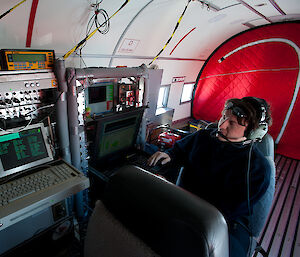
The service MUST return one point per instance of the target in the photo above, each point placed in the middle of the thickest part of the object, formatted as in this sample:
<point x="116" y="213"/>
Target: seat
<point x="141" y="215"/>
<point x="262" y="207"/>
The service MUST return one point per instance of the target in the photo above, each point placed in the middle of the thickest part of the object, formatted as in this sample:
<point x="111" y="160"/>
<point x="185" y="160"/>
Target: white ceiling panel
<point x="61" y="24"/>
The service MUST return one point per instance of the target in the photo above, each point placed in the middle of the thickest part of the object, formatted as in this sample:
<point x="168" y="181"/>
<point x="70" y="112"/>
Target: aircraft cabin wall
<point x="137" y="32"/>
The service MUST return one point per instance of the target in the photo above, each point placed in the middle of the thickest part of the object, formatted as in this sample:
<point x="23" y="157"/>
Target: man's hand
<point x="153" y="160"/>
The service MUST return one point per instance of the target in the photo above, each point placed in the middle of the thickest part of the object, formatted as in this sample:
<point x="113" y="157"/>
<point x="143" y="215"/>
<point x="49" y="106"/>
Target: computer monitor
<point x="116" y="135"/>
<point x="21" y="149"/>
<point x="99" y="97"/>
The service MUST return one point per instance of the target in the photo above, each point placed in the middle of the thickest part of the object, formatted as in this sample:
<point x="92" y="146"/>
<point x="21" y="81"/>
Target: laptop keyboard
<point x="141" y="160"/>
<point x="41" y="180"/>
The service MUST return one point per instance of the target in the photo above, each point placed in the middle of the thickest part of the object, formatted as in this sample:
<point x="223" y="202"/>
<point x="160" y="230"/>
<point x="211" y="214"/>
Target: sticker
<point x="178" y="79"/>
<point x="129" y="45"/>
<point x="53" y="83"/>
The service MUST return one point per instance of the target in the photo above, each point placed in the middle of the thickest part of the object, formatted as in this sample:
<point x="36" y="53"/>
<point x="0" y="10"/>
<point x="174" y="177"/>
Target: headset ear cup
<point x="259" y="133"/>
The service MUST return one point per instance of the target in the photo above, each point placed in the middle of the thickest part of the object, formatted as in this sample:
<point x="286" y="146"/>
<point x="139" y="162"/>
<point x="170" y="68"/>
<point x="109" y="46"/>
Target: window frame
<point x="191" y="97"/>
<point x="165" y="97"/>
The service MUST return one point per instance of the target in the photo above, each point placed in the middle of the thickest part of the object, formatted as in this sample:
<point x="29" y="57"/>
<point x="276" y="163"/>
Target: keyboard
<point x="24" y="196"/>
<point x="141" y="160"/>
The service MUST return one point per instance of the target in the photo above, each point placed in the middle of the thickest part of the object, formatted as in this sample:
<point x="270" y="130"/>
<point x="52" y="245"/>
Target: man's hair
<point x="256" y="110"/>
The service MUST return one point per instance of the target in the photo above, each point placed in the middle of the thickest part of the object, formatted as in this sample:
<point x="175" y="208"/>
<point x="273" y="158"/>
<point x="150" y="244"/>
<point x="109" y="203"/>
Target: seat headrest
<point x="266" y="146"/>
<point x="160" y="212"/>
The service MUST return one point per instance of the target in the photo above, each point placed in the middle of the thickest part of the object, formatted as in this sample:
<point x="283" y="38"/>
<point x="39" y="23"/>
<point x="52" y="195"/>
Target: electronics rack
<point x="22" y="93"/>
<point x="24" y="97"/>
<point x="128" y="93"/>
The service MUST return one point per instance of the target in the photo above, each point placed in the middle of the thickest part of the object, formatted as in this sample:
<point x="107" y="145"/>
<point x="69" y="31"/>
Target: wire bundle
<point x="89" y="35"/>
<point x="102" y="28"/>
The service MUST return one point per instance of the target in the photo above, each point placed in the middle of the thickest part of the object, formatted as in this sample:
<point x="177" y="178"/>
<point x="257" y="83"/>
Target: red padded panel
<point x="267" y="70"/>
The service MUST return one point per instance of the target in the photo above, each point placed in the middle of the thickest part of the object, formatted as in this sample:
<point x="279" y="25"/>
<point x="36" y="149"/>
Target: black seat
<point x="144" y="215"/>
<point x="262" y="208"/>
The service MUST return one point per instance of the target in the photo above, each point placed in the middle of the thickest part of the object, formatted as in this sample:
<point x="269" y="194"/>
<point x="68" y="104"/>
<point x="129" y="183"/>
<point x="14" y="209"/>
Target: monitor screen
<point x="23" y="149"/>
<point x="99" y="97"/>
<point x="97" y="94"/>
<point x="116" y="133"/>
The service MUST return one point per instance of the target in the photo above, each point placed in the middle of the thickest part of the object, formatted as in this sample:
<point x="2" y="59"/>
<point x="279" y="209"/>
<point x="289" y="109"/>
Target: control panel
<point x="26" y="80"/>
<point x="27" y="59"/>
<point x="23" y="95"/>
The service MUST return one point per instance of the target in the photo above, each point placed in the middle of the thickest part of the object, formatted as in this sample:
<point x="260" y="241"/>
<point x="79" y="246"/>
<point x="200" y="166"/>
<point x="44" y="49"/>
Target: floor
<point x="281" y="235"/>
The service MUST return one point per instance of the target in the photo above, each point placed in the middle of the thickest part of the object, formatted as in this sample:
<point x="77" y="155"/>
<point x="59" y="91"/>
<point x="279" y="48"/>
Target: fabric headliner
<point x="266" y="70"/>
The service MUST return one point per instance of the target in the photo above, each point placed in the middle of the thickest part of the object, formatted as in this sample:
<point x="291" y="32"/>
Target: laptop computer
<point x="30" y="179"/>
<point x="23" y="148"/>
<point x="115" y="142"/>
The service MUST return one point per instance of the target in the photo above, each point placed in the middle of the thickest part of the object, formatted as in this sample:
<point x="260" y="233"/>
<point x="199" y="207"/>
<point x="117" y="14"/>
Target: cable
<point x="8" y="110"/>
<point x="40" y="108"/>
<point x="94" y="21"/>
<point x="248" y="195"/>
<point x="93" y="32"/>
<point x="52" y="109"/>
<point x="31" y="119"/>
<point x="16" y="131"/>
<point x="81" y="58"/>
<point x="106" y="22"/>
<point x="176" y="27"/>
<point x="11" y="9"/>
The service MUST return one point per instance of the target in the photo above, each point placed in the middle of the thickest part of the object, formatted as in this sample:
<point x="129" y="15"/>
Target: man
<point x="218" y="161"/>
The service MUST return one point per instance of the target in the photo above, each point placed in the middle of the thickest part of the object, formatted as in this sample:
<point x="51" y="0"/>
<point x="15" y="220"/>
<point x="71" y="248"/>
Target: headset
<point x="260" y="107"/>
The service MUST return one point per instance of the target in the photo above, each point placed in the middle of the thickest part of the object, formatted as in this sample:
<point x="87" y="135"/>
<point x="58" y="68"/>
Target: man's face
<point x="228" y="125"/>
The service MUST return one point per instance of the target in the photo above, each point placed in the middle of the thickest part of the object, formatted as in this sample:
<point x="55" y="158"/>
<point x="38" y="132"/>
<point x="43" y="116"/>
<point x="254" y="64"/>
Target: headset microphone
<point x="261" y="108"/>
<point x="219" y="133"/>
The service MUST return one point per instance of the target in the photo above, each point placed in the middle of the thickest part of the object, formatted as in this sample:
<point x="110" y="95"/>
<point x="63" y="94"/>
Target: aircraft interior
<point x="92" y="90"/>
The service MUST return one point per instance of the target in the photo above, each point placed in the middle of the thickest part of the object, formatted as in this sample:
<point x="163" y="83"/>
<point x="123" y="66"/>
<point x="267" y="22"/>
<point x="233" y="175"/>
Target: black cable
<point x="215" y="133"/>
<point x="248" y="197"/>
<point x="106" y="23"/>
<point x="240" y="145"/>
<point x="94" y="20"/>
<point x="65" y="56"/>
<point x="54" y="108"/>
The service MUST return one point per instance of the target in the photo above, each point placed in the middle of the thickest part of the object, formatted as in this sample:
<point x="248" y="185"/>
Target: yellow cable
<point x="176" y="27"/>
<point x="18" y="5"/>
<point x="11" y="9"/>
<point x="92" y="33"/>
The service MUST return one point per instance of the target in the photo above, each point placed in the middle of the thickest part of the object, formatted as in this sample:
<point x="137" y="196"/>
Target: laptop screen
<point x="21" y="149"/>
<point x="116" y="134"/>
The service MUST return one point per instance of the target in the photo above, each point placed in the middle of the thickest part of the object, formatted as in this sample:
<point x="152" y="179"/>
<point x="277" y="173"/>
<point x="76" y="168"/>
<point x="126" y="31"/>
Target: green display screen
<point x="29" y="57"/>
<point x="9" y="137"/>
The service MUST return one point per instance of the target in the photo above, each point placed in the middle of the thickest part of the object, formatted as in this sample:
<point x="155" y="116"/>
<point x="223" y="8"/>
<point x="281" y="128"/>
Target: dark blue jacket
<point x="217" y="171"/>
